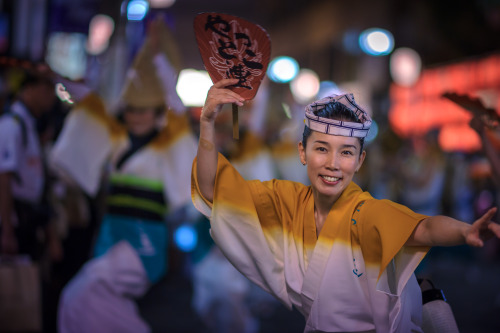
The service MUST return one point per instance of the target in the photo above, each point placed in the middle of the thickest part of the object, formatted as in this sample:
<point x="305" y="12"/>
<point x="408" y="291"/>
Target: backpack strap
<point x="24" y="136"/>
<point x="22" y="124"/>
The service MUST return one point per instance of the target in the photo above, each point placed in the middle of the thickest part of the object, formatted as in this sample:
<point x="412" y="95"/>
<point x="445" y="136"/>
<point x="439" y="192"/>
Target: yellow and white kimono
<point x="357" y="276"/>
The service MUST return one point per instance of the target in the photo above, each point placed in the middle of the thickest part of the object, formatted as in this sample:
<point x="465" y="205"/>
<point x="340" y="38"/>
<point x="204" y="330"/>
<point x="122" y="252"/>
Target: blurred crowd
<point x="98" y="195"/>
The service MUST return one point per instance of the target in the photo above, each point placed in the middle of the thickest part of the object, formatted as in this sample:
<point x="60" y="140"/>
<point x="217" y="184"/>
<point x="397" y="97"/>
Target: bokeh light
<point x="283" y="69"/>
<point x="137" y="10"/>
<point x="372" y="133"/>
<point x="101" y="28"/>
<point x="405" y="66"/>
<point x="186" y="238"/>
<point x="161" y="3"/>
<point x="327" y="88"/>
<point x="350" y="41"/>
<point x="305" y="86"/>
<point x="192" y="86"/>
<point x="376" y="42"/>
<point x="66" y="54"/>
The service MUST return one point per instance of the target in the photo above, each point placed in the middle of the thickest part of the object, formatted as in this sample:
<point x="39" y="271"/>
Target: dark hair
<point x="33" y="79"/>
<point x="337" y="111"/>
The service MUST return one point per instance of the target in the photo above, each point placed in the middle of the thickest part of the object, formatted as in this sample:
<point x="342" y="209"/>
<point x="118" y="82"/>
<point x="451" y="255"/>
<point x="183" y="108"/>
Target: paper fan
<point x="232" y="47"/>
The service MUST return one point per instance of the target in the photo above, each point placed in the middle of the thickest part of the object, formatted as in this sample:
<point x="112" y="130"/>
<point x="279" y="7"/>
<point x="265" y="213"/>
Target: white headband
<point x="338" y="127"/>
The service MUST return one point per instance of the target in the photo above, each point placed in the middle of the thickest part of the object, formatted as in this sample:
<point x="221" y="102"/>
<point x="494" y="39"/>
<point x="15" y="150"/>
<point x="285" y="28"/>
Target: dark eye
<point x="322" y="149"/>
<point x="347" y="152"/>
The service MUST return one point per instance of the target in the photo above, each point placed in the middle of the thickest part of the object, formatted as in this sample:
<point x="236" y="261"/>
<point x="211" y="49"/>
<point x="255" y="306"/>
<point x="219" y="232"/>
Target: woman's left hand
<point x="483" y="229"/>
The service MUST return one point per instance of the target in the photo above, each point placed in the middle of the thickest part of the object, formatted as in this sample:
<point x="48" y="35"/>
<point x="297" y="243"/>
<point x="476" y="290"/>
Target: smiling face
<point x="331" y="162"/>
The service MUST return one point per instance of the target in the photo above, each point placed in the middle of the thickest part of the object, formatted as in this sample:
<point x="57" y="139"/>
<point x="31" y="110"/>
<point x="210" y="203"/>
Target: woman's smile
<point x="330" y="180"/>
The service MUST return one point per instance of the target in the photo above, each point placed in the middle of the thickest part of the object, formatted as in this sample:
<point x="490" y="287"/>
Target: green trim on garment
<point x="128" y="201"/>
<point x="152" y="185"/>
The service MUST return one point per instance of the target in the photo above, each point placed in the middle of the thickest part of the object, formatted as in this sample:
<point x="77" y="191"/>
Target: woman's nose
<point x="331" y="162"/>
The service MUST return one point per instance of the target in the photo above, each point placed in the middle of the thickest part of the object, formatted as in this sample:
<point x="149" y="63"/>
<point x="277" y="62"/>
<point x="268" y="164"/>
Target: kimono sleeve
<point x="85" y="143"/>
<point x="246" y="226"/>
<point x="180" y="151"/>
<point x="386" y="226"/>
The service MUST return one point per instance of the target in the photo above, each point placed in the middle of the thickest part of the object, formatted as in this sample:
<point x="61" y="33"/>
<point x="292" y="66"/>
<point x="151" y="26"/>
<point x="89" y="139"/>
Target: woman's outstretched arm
<point x="217" y="96"/>
<point x="446" y="231"/>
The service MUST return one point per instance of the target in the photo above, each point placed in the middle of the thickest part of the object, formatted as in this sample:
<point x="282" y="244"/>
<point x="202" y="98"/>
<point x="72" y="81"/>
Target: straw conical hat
<point x="142" y="87"/>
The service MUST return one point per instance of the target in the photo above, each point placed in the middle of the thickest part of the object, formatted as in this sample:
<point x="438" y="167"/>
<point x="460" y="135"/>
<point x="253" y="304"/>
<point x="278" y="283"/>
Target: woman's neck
<point x="322" y="206"/>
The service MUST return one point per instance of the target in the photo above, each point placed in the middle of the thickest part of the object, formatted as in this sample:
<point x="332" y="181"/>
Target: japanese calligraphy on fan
<point x="235" y="56"/>
<point x="233" y="48"/>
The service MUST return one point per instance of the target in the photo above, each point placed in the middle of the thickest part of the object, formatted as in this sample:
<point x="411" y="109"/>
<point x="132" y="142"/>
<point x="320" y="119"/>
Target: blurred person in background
<point x="423" y="175"/>
<point x="23" y="204"/>
<point x="486" y="122"/>
<point x="26" y="215"/>
<point x="144" y="156"/>
<point x="284" y="144"/>
<point x="345" y="260"/>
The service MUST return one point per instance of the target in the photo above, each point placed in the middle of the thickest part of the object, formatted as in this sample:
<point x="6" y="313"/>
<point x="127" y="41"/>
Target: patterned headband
<point x="338" y="127"/>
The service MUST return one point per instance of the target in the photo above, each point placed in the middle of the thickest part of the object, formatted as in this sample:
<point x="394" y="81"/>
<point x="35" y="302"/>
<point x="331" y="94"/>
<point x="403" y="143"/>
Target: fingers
<point x="222" y="95"/>
<point x="479" y="229"/>
<point x="218" y="95"/>
<point x="486" y="217"/>
<point x="225" y="83"/>
<point x="495" y="229"/>
<point x="489" y="214"/>
<point x="476" y="243"/>
<point x="485" y="228"/>
<point x="493" y="226"/>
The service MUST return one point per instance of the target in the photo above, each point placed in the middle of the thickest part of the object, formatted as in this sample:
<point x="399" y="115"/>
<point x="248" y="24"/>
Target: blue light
<point x="186" y="238"/>
<point x="283" y="69"/>
<point x="350" y="42"/>
<point x="372" y="133"/>
<point x="376" y="42"/>
<point x="327" y="88"/>
<point x="137" y="9"/>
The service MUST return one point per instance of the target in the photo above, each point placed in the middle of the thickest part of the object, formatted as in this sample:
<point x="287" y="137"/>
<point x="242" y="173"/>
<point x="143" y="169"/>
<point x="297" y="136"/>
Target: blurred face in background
<point x="40" y="97"/>
<point x="140" y="120"/>
<point x="47" y="96"/>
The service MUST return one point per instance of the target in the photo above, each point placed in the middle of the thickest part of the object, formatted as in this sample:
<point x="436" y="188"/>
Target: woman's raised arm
<point x="217" y="96"/>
